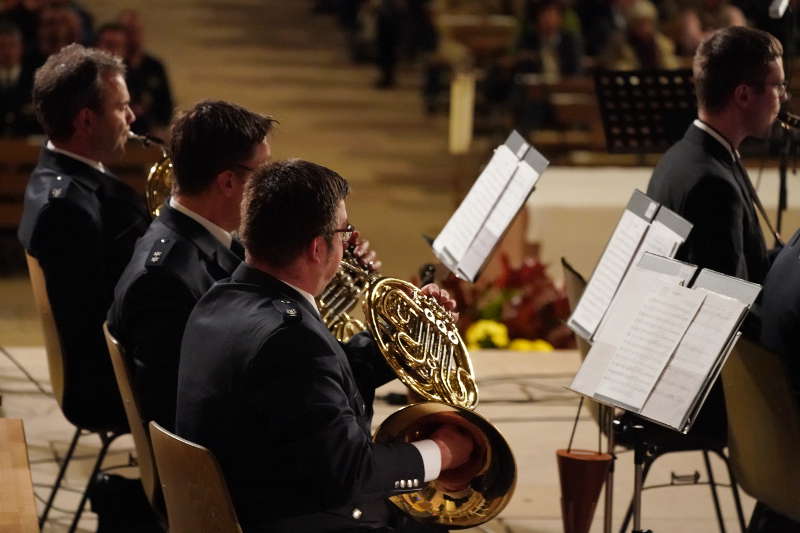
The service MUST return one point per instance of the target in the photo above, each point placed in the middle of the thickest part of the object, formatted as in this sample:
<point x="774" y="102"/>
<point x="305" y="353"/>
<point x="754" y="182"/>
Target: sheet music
<point x="650" y="341"/>
<point x="610" y="271"/>
<point x="506" y="208"/>
<point x="694" y="358"/>
<point x="660" y="240"/>
<point x="470" y="216"/>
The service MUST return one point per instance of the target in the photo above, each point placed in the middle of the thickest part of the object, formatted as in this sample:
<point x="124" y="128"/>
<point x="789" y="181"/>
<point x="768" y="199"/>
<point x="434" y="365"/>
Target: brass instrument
<point x="788" y="120"/>
<point x="160" y="178"/>
<point x="421" y="343"/>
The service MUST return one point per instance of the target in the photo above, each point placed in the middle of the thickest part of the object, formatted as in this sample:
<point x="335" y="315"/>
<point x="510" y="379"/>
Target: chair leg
<point x="61" y="471"/>
<point x="712" y="484"/>
<point x="629" y="513"/>
<point x="734" y="489"/>
<point x="106" y="438"/>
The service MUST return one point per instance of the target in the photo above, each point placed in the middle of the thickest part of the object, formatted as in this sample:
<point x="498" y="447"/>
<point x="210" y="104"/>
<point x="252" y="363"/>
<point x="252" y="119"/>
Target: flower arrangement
<point x="520" y="310"/>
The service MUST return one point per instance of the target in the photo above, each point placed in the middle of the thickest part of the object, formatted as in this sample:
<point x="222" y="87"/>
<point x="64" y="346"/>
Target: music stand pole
<point x="610" y="426"/>
<point x="639" y="451"/>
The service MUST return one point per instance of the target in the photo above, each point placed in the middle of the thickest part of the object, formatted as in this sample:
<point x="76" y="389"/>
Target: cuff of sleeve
<point x="431" y="458"/>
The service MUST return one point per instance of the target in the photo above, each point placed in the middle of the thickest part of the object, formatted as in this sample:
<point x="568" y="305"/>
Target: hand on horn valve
<point x="368" y="258"/>
<point x="462" y="456"/>
<point x="443" y="297"/>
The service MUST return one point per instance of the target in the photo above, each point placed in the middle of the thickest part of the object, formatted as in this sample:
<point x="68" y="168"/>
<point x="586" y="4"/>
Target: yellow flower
<point x="527" y="345"/>
<point x="487" y="334"/>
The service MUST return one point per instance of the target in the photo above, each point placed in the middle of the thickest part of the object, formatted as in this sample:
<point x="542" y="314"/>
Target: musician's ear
<point x="743" y="95"/>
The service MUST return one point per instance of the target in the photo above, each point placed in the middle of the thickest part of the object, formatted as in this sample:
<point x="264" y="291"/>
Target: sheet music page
<point x="503" y="213"/>
<point x="609" y="272"/>
<point x="660" y="240"/>
<point x="661" y="321"/>
<point x="470" y="216"/>
<point x="694" y="358"/>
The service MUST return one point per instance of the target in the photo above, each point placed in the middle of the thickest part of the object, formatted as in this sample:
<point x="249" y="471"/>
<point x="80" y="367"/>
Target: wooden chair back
<point x="52" y="342"/>
<point x="195" y="491"/>
<point x="133" y="411"/>
<point x="763" y="427"/>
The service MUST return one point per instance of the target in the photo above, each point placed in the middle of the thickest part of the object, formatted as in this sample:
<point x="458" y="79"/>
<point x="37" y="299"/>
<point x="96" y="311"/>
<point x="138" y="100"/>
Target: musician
<point x="215" y="147"/>
<point x="79" y="220"/>
<point x="263" y="384"/>
<point x="740" y="85"/>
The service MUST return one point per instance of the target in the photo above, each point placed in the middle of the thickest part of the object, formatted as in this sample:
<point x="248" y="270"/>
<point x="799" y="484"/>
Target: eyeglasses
<point x="244" y="167"/>
<point x="346" y="232"/>
<point x="782" y="86"/>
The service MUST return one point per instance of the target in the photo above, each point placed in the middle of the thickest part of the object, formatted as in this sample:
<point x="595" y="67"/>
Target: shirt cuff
<point x="431" y="458"/>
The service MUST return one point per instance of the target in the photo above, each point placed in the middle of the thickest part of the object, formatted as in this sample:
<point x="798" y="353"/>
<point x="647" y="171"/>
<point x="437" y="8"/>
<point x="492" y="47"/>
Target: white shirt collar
<point x="306" y="295"/>
<point x="722" y="140"/>
<point x="92" y="163"/>
<point x="220" y="234"/>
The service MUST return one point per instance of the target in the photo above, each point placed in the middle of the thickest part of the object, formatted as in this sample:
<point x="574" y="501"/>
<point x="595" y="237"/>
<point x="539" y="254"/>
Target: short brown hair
<point x="211" y="137"/>
<point x="70" y="80"/>
<point x="286" y="205"/>
<point x="728" y="58"/>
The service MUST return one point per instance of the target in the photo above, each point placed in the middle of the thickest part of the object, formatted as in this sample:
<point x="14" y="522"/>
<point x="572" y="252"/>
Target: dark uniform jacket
<point x="286" y="409"/>
<point x="780" y="310"/>
<point x="697" y="179"/>
<point x="173" y="265"/>
<point x="81" y="224"/>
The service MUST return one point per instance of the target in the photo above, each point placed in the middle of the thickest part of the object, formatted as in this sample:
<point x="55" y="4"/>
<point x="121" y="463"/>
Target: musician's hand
<point x="368" y="258"/>
<point x="443" y="297"/>
<point x="455" y="444"/>
<point x="462" y="458"/>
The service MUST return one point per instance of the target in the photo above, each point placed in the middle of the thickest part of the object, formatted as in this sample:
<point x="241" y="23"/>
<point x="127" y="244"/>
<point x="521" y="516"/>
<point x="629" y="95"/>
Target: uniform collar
<point x="719" y="137"/>
<point x="190" y="229"/>
<point x="97" y="165"/>
<point x="220" y="234"/>
<point x="248" y="274"/>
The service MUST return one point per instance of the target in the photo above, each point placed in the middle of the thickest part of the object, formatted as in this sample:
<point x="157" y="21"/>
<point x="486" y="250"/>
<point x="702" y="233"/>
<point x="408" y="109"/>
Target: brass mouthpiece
<point x="789" y="120"/>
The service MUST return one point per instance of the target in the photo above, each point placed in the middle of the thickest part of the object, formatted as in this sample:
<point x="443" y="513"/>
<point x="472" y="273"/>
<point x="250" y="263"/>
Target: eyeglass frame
<point x="782" y="86"/>
<point x="346" y="232"/>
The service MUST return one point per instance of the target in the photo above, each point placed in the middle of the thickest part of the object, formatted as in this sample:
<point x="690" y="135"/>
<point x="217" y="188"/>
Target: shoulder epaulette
<point x="288" y="309"/>
<point x="159" y="251"/>
<point x="59" y="187"/>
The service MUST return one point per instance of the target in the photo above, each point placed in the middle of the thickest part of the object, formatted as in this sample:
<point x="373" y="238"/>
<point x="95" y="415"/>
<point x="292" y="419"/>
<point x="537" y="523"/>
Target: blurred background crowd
<point x="31" y="30"/>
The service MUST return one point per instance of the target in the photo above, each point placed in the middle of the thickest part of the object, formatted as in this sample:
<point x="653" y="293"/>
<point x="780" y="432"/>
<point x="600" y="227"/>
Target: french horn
<point x="421" y="343"/>
<point x="159" y="178"/>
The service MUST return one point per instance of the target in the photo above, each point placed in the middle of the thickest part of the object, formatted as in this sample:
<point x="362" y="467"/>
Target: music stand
<point x="644" y="111"/>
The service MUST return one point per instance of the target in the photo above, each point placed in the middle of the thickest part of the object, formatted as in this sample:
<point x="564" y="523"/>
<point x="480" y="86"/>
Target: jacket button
<point x="357" y="513"/>
<point x="416" y="483"/>
<point x="397" y="484"/>
<point x="402" y="483"/>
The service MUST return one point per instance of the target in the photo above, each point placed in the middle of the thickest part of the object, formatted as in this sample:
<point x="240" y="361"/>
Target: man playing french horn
<point x="285" y="407"/>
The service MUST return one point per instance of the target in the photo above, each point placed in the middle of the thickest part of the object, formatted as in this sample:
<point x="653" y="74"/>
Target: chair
<point x="61" y="390"/>
<point x="141" y="438"/>
<point x="574" y="285"/>
<point x="763" y="427"/>
<point x="194" y="487"/>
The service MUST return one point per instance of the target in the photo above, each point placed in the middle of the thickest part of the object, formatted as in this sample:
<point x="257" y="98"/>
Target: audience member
<point x="17" y="117"/>
<point x="151" y="97"/>
<point x="58" y="27"/>
<point x="113" y="38"/>
<point x="641" y="45"/>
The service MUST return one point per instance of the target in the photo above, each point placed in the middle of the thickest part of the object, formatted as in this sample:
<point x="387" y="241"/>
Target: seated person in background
<point x="17" y="118"/>
<point x="147" y="77"/>
<point x="285" y="408"/>
<point x="641" y="45"/>
<point x="113" y="39"/>
<point x="215" y="146"/>
<point x="80" y="221"/>
<point x="58" y="26"/>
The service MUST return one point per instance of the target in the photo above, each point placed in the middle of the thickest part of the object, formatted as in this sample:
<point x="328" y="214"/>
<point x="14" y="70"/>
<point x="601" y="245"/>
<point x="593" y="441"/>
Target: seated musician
<point x="285" y="408"/>
<point x="215" y="146"/>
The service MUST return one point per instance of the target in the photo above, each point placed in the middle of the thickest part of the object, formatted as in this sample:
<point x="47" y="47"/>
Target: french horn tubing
<point x="159" y="178"/>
